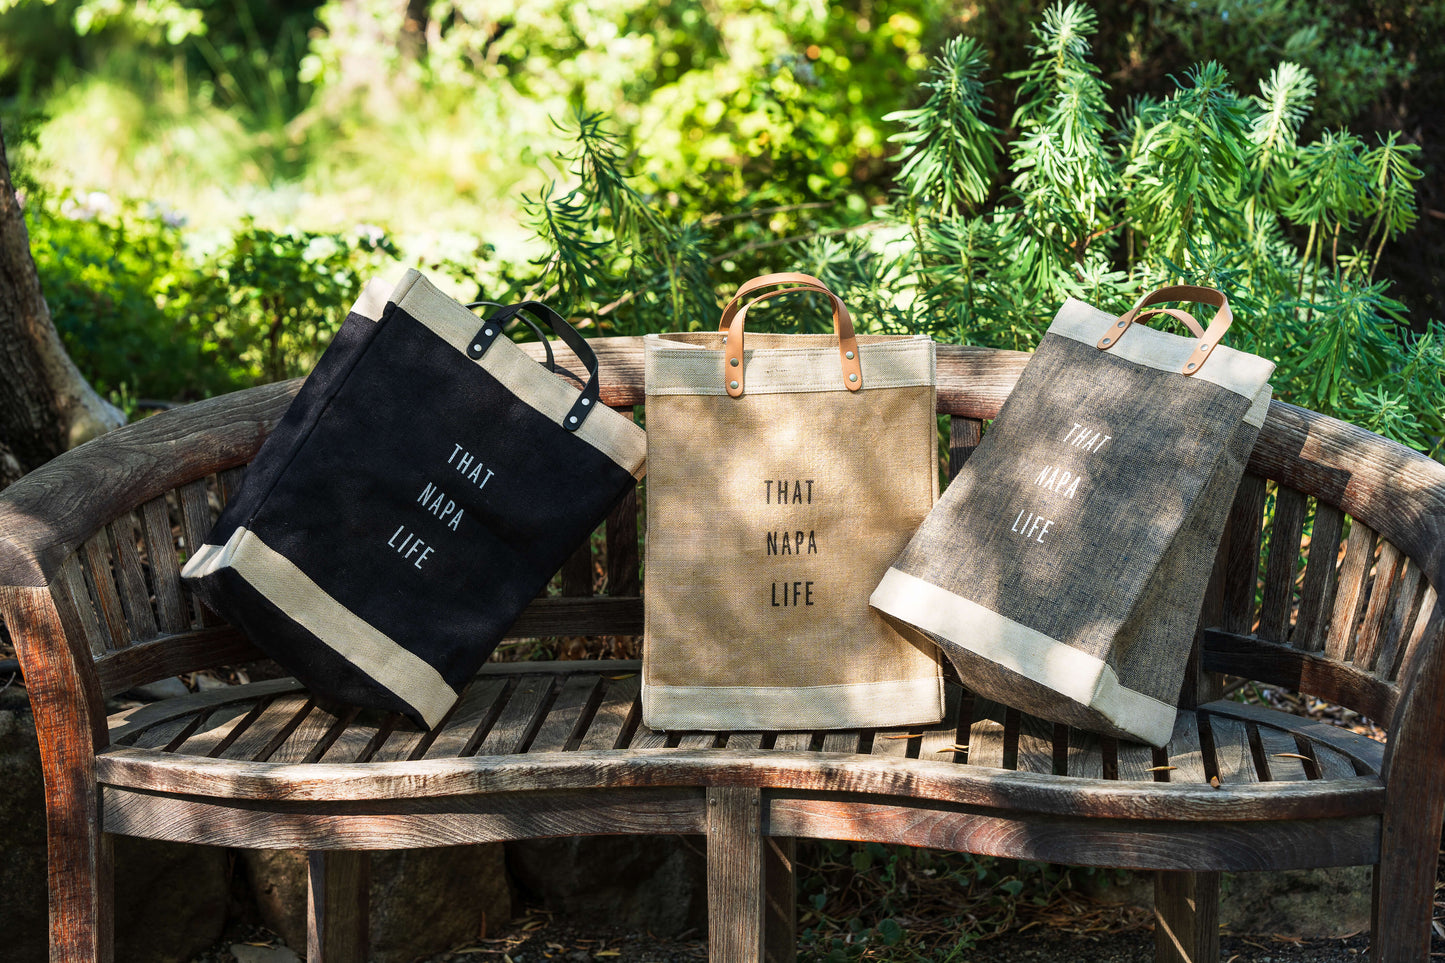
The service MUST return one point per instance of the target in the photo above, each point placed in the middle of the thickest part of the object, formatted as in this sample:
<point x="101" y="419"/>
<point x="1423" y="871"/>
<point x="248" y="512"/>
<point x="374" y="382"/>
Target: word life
<point x="790" y="491"/>
<point x="1059" y="481"/>
<point x="438" y="504"/>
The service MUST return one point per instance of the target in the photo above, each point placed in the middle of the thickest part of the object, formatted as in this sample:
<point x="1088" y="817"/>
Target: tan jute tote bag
<point x="785" y="473"/>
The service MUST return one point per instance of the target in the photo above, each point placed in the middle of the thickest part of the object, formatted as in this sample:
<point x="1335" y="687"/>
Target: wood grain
<point x="1317" y="594"/>
<point x="416" y="824"/>
<point x="1129" y="844"/>
<point x="1186" y="917"/>
<point x="165" y="573"/>
<point x="1388" y="570"/>
<point x="1241" y="572"/>
<point x="1350" y="591"/>
<point x="1307" y="672"/>
<point x="1282" y="564"/>
<point x="337" y="885"/>
<point x="735" y="905"/>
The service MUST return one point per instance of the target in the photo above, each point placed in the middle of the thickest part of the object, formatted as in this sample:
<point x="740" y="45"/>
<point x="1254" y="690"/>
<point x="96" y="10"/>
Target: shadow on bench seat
<point x="90" y="548"/>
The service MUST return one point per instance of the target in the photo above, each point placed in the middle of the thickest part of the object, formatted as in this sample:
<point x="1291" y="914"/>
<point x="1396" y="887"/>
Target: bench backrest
<point x="91" y="547"/>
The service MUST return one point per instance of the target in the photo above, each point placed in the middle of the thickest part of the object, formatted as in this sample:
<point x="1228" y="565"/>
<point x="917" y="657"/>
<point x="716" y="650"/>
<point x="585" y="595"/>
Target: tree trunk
<point x="46" y="405"/>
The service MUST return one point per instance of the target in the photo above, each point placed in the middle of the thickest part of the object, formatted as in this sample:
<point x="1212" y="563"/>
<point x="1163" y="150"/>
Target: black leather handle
<point x="551" y="362"/>
<point x="590" y="397"/>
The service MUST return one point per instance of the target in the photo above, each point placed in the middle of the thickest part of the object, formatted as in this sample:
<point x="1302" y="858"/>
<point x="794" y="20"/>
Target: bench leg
<point x="1186" y="917"/>
<point x="1403" y="904"/>
<point x="780" y="931"/>
<point x="82" y="891"/>
<point x="735" y="847"/>
<point x="336" y="906"/>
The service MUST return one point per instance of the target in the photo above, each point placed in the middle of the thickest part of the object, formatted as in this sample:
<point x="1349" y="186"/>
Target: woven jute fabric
<point x="771" y="517"/>
<point x="1064" y="568"/>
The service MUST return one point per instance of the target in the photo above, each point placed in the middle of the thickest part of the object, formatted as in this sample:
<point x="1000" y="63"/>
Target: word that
<point x="789" y="493"/>
<point x="464" y="465"/>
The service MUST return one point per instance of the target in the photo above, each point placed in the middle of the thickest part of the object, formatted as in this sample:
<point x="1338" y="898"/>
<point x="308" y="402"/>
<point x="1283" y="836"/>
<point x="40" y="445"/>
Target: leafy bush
<point x="144" y="318"/>
<point x="1206" y="186"/>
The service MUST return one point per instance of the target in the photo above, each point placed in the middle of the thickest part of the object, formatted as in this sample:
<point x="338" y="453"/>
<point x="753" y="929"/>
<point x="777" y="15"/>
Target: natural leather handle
<point x="1208" y="339"/>
<point x="735" y="313"/>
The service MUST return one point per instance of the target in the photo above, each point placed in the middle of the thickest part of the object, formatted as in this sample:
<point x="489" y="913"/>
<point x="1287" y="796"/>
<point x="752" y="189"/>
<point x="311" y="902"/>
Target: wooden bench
<point x="89" y="552"/>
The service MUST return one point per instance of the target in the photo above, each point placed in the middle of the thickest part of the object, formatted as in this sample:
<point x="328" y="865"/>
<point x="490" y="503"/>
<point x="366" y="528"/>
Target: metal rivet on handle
<point x="852" y="377"/>
<point x="1122" y="323"/>
<point x="733" y="385"/>
<point x="733" y="362"/>
<point x="487" y="332"/>
<point x="849" y="356"/>
<point x="476" y="347"/>
<point x="586" y="402"/>
<point x="573" y="419"/>
<point x="1106" y="341"/>
<point x="1203" y="348"/>
<point x="1191" y="365"/>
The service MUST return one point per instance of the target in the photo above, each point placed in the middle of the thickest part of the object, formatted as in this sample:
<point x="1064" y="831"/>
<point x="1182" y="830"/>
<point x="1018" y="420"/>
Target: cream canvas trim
<point x="1073" y="674"/>
<point x="1260" y="409"/>
<point x="693" y="364"/>
<point x="372" y="301"/>
<point x="277" y="578"/>
<point x="1244" y="374"/>
<point x="610" y="432"/>
<point x="752" y="708"/>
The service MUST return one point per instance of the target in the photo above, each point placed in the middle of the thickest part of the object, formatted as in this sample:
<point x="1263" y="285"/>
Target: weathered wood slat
<point x="623" y="570"/>
<point x="1350" y="591"/>
<point x="1036" y="745"/>
<point x="73" y="583"/>
<point x="1419" y="635"/>
<point x="1185" y="753"/>
<point x="165" y="573"/>
<point x="940" y="738"/>
<point x="898" y="743"/>
<point x="305" y="743"/>
<point x="520" y="719"/>
<point x="1282" y="564"/>
<point x="1086" y="756"/>
<point x="213" y="741"/>
<point x="125" y="725"/>
<point x="403" y="742"/>
<point x="844" y="740"/>
<point x="576" y="575"/>
<point x="964" y="436"/>
<point x="1283" y="754"/>
<point x="1241" y="572"/>
<point x="986" y="735"/>
<point x="1369" y="755"/>
<point x="266" y="733"/>
<point x="196" y="522"/>
<point x="359" y="739"/>
<point x="1332" y="764"/>
<point x="1234" y="758"/>
<point x="171" y="655"/>
<point x="738" y="740"/>
<point x="789" y="742"/>
<point x="98" y="554"/>
<point x="568" y="715"/>
<point x="229" y="480"/>
<point x="467" y="820"/>
<point x="698" y="740"/>
<point x="478" y="707"/>
<point x="1020" y="792"/>
<point x="1306" y="672"/>
<point x="618" y="713"/>
<point x="588" y="615"/>
<point x="1382" y="596"/>
<point x="1406" y="609"/>
<point x="1235" y="847"/>
<point x="1317" y="594"/>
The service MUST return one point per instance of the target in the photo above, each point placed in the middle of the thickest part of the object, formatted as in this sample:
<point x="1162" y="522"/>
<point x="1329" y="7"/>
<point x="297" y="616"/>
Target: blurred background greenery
<point x="208" y="182"/>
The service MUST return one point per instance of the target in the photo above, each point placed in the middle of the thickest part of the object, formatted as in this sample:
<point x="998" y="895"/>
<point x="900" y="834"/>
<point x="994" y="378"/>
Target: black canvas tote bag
<point x="425" y="484"/>
<point x="1063" y="569"/>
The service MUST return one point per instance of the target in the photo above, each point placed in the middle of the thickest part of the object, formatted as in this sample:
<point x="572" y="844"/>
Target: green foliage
<point x="143" y="317"/>
<point x="278" y="297"/>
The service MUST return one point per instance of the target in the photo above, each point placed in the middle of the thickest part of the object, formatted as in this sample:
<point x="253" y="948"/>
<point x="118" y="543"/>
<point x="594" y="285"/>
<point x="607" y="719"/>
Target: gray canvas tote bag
<point x="785" y="472"/>
<point x="1063" y="570"/>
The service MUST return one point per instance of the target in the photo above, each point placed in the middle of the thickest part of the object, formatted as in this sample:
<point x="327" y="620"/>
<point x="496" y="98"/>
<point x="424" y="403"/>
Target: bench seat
<point x="522" y="731"/>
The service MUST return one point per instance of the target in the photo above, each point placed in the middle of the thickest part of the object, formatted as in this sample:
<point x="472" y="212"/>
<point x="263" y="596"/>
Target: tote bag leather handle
<point x="734" y="317"/>
<point x="1208" y="339"/>
<point x="551" y="363"/>
<point x="590" y="397"/>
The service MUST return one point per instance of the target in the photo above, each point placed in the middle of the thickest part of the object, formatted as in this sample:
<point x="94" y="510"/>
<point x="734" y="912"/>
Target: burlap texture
<point x="771" y="517"/>
<point x="1064" y="568"/>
